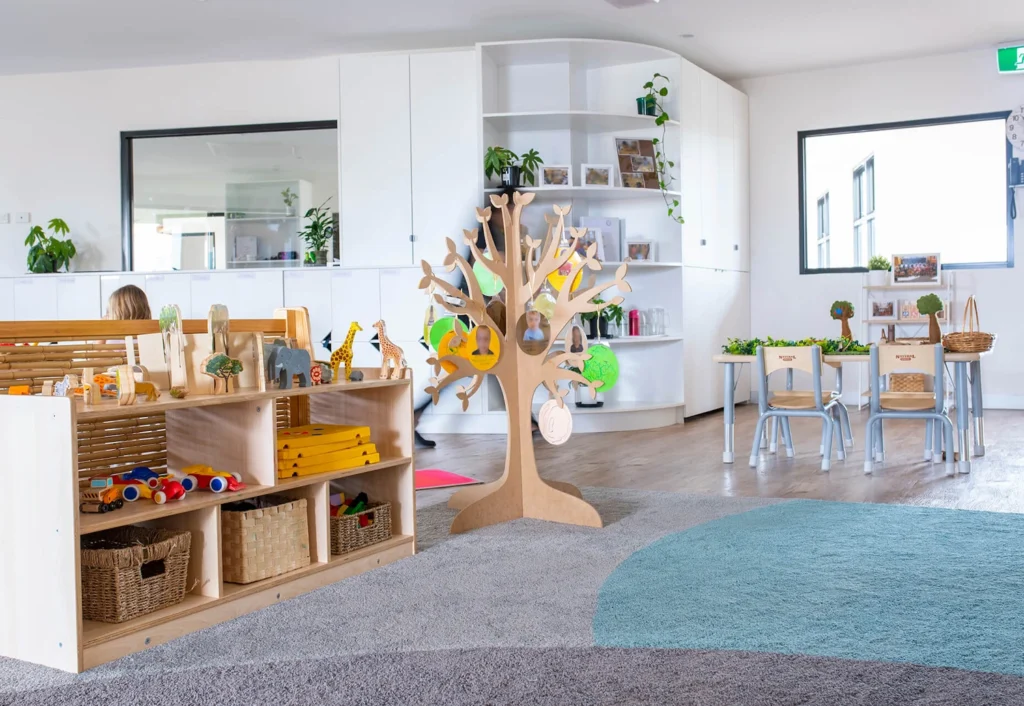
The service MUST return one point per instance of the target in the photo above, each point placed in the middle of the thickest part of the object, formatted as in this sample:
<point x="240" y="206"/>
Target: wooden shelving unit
<point x="40" y="617"/>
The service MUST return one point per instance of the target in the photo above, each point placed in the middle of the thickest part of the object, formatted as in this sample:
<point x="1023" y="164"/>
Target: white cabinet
<point x="376" y="174"/>
<point x="78" y="297"/>
<point x="355" y="296"/>
<point x="403" y="305"/>
<point x="707" y="252"/>
<point x="6" y="299"/>
<point x="164" y="290"/>
<point x="742" y="175"/>
<point x="716" y="303"/>
<point x="447" y="176"/>
<point x="694" y="253"/>
<point x="311" y="287"/>
<point x="35" y="298"/>
<point x="247" y="295"/>
<point x="726" y="245"/>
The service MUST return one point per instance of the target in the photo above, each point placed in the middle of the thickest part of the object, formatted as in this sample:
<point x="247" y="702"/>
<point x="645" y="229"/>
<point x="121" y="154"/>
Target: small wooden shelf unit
<point x="40" y="531"/>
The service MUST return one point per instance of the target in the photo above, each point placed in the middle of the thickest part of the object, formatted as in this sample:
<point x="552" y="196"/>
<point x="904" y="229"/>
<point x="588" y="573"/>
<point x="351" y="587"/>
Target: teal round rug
<point x="871" y="582"/>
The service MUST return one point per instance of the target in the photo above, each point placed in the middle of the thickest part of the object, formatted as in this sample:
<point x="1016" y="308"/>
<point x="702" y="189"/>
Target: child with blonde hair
<point x="128" y="303"/>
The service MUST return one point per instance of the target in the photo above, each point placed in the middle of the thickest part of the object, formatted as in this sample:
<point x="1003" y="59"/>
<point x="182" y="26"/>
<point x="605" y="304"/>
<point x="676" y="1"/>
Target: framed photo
<point x="633" y="180"/>
<point x="597" y="175"/>
<point x="640" y="250"/>
<point x="611" y="234"/>
<point x="917" y="269"/>
<point x="593" y="235"/>
<point x="643" y="164"/>
<point x="626" y="146"/>
<point x="909" y="312"/>
<point x="555" y="175"/>
<point x="883" y="309"/>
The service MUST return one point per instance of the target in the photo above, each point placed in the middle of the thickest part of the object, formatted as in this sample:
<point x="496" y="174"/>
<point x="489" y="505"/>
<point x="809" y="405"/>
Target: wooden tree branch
<point x="463" y="370"/>
<point x="475" y="307"/>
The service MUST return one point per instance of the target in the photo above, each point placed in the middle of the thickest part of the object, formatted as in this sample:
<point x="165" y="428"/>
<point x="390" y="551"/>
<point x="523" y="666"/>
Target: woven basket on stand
<point x="132" y="571"/>
<point x="347" y="535"/>
<point x="970" y="339"/>
<point x="263" y="537"/>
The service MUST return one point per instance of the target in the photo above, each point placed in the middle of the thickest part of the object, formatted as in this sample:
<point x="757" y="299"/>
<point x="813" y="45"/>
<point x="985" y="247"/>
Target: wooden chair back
<point x="795" y="358"/>
<point x="902" y="359"/>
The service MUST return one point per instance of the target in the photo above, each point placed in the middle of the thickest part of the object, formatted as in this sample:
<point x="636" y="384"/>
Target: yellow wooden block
<point x="327" y="459"/>
<point x="312" y="470"/>
<point x="306" y="452"/>
<point x="316" y="434"/>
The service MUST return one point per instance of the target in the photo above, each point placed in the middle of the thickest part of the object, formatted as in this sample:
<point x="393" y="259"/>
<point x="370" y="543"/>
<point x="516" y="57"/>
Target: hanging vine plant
<point x="657" y="93"/>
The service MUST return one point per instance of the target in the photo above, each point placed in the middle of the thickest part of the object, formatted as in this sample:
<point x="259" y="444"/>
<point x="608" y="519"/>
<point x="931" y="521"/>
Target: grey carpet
<point x="500" y="615"/>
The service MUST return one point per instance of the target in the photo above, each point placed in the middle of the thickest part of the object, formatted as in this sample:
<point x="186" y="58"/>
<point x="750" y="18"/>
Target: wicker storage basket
<point x="347" y="535"/>
<point x="970" y="339"/>
<point x="132" y="571"/>
<point x="906" y="382"/>
<point x="263" y="537"/>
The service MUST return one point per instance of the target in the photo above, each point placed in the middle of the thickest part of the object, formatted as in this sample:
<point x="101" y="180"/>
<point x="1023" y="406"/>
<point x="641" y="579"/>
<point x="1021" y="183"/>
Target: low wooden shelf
<point x="40" y="534"/>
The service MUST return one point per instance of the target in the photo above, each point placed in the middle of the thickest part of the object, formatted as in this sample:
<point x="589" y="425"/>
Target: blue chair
<point x="790" y="403"/>
<point x="929" y="406"/>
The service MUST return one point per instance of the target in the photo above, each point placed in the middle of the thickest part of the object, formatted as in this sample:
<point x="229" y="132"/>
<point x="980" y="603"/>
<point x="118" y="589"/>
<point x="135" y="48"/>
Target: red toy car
<point x="169" y="490"/>
<point x="205" y="478"/>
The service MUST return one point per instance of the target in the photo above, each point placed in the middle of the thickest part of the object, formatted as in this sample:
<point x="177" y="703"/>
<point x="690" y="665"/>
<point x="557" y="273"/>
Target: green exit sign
<point x="1011" y="60"/>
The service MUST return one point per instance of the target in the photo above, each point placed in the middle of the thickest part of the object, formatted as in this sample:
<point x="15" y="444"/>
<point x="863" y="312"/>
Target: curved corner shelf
<point x="578" y="120"/>
<point x="590" y="192"/>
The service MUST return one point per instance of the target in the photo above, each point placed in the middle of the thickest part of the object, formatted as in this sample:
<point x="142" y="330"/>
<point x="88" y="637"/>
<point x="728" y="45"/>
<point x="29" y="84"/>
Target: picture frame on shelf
<point x="611" y="234"/>
<point x="555" y="175"/>
<point x="908" y="311"/>
<point x="636" y="163"/>
<point x="633" y="180"/>
<point x="597" y="175"/>
<point x="917" y="269"/>
<point x="883" y="309"/>
<point x="640" y="250"/>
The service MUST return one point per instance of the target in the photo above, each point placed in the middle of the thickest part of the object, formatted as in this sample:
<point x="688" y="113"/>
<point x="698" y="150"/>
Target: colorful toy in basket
<point x="200" y="477"/>
<point x="320" y="448"/>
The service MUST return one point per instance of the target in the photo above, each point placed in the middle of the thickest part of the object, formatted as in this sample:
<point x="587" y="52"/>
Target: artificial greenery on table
<point x="48" y="253"/>
<point x="656" y="94"/>
<point x="879" y="262"/>
<point x="829" y="346"/>
<point x="498" y="158"/>
<point x="318" y="231"/>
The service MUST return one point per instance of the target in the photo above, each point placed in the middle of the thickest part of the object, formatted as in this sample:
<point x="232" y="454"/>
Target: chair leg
<point x="826" y="459"/>
<point x="756" y="448"/>
<point x="773" y="436"/>
<point x="869" y="444"/>
<point x="937" y="441"/>
<point x="787" y="436"/>
<point x="821" y="447"/>
<point x="844" y="419"/>
<point x="929" y="424"/>
<point x="837" y="427"/>
<point x="880" y="439"/>
<point x="947" y="430"/>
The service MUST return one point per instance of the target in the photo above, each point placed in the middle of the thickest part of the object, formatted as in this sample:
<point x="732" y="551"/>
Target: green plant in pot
<point x="931" y="305"/>
<point x="318" y="231"/>
<point x="657" y="94"/>
<point x="49" y="253"/>
<point x="289" y="197"/>
<point x="597" y="321"/>
<point x="879" y="268"/>
<point x="510" y="167"/>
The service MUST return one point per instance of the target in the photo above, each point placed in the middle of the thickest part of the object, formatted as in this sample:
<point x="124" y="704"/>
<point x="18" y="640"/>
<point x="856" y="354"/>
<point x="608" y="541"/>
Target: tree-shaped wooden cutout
<point x="520" y="492"/>
<point x="843" y="311"/>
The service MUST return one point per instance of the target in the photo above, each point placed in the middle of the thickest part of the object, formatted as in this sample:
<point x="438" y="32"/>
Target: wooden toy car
<point x="132" y="490"/>
<point x="170" y="489"/>
<point x="101" y="500"/>
<point x="201" y="477"/>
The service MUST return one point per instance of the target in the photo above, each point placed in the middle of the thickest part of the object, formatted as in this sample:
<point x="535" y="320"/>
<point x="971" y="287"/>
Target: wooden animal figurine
<point x="344" y="354"/>
<point x="218" y="323"/>
<point x="174" y="349"/>
<point x="393" y="365"/>
<point x="148" y="389"/>
<point x="223" y="370"/>
<point x="66" y="387"/>
<point x="125" y="386"/>
<point x="47" y="388"/>
<point x="283" y="363"/>
<point x="92" y="391"/>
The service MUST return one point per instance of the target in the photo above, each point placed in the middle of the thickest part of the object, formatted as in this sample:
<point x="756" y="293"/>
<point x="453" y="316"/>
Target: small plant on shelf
<point x="931" y="305"/>
<point x="289" y="198"/>
<point x="608" y="313"/>
<point x="510" y="167"/>
<point x="878" y="270"/>
<point x="657" y="94"/>
<point x="318" y="232"/>
<point x="48" y="253"/>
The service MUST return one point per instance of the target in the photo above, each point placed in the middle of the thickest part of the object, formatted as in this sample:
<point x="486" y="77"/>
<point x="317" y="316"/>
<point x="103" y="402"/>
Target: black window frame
<point x="824" y="239"/>
<point x="127" y="164"/>
<point x="802" y="234"/>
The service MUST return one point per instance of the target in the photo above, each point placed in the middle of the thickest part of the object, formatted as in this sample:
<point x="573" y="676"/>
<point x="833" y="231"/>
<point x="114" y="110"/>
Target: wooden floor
<point x="687" y="458"/>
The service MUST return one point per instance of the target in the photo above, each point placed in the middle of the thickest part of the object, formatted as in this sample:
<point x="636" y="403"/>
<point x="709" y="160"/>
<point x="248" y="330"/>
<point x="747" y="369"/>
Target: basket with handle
<point x="970" y="339"/>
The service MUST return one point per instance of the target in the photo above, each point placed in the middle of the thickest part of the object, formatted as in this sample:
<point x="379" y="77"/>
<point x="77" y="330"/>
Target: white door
<point x="690" y="167"/>
<point x="447" y="176"/>
<point x="375" y="173"/>
<point x="78" y="298"/>
<point x="355" y="296"/>
<point x="726" y="243"/>
<point x="742" y="176"/>
<point x="709" y="234"/>
<point x="311" y="287"/>
<point x="403" y="305"/>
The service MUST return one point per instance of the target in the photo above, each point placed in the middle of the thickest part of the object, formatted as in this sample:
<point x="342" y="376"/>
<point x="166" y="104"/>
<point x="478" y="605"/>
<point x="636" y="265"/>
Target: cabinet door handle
<point x="736" y="248"/>
<point x="703" y="242"/>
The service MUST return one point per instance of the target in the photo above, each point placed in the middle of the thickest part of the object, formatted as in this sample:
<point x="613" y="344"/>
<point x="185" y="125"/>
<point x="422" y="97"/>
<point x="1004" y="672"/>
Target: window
<point x="944" y="185"/>
<point x="224" y="197"/>
<point x="824" y="244"/>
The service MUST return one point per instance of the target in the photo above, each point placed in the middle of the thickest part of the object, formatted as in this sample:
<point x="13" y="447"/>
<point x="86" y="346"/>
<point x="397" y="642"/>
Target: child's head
<point x="128" y="303"/>
<point x="533" y="319"/>
<point x="483" y="338"/>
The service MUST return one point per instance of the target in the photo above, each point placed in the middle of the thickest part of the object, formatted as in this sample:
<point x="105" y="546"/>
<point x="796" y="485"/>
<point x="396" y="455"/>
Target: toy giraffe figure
<point x="393" y="365"/>
<point x="344" y="354"/>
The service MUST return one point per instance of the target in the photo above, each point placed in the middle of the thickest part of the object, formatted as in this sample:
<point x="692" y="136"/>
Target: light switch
<point x="24" y="217"/>
<point x="5" y="218"/>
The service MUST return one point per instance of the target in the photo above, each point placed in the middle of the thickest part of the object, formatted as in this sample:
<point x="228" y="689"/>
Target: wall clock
<point x="1015" y="128"/>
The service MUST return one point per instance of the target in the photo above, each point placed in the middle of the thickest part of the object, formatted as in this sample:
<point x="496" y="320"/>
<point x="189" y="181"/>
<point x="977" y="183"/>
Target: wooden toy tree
<point x="520" y="492"/>
<point x="843" y="311"/>
<point x="931" y="305"/>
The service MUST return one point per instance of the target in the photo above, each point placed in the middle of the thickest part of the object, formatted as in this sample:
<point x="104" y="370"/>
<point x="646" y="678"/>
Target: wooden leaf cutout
<point x="562" y="210"/>
<point x="591" y="250"/>
<point x="483" y="214"/>
<point x="498" y="201"/>
<point x="522" y="198"/>
<point x="425" y="282"/>
<point x="426" y="267"/>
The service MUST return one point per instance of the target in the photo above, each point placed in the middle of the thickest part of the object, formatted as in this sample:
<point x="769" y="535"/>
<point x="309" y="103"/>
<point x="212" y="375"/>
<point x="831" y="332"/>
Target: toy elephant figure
<point x="283" y="362"/>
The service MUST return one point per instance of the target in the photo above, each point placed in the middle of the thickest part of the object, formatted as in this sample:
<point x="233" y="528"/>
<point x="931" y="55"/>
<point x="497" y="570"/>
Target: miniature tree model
<point x="223" y="370"/>
<point x="931" y="305"/>
<point x="520" y="492"/>
<point x="843" y="311"/>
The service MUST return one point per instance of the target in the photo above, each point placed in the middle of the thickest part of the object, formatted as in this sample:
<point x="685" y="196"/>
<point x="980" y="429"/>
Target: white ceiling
<point x="733" y="38"/>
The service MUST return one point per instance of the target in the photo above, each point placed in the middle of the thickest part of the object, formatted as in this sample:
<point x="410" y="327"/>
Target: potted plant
<point x="318" y="232"/>
<point x="510" y="167"/>
<point x="48" y="253"/>
<point x="878" y="271"/>
<point x="289" y="197"/>
<point x="597" y="321"/>
<point x="653" y="104"/>
<point x="931" y="305"/>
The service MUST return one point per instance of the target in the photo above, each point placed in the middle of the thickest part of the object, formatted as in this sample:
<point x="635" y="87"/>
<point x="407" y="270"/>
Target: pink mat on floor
<point x="431" y="478"/>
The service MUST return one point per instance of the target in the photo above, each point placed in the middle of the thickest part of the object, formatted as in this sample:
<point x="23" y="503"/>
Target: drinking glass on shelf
<point x="658" y="321"/>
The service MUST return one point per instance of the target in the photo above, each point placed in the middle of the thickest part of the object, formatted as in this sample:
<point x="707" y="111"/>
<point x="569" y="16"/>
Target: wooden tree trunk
<point x="846" y="328"/>
<point x="934" y="332"/>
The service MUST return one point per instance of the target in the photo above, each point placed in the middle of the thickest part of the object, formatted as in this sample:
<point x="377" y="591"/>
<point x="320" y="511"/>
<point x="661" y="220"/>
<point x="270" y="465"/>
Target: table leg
<point x="977" y="409"/>
<point x="728" y="454"/>
<point x="963" y="425"/>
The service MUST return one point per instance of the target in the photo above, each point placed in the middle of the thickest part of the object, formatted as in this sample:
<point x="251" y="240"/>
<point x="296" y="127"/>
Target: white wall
<point x="60" y="136"/>
<point x="786" y="304"/>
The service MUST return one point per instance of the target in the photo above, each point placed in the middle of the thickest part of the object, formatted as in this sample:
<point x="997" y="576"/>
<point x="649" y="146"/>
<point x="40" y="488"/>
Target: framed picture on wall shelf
<point x="636" y="163"/>
<point x="883" y="309"/>
<point x="917" y="269"/>
<point x="633" y="180"/>
<point x="555" y="175"/>
<point x="597" y="175"/>
<point x="908" y="311"/>
<point x="611" y="234"/>
<point x="640" y="250"/>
